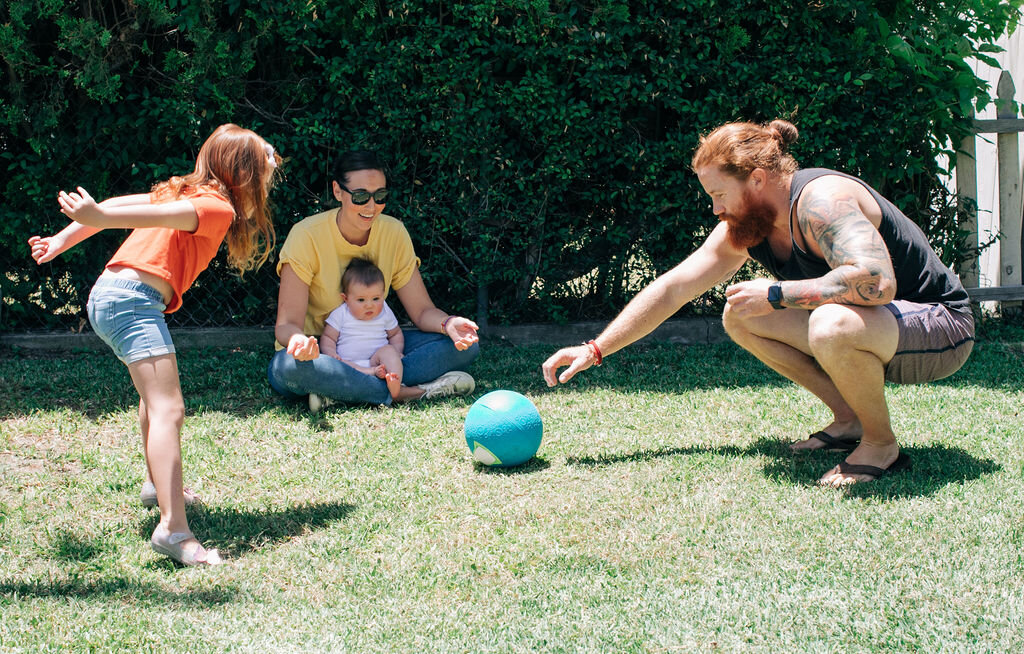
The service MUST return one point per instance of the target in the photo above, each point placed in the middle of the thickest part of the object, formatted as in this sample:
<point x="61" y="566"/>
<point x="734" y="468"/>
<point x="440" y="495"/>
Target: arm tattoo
<point x="861" y="266"/>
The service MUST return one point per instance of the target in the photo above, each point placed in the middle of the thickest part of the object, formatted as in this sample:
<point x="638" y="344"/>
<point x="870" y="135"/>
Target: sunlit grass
<point x="662" y="513"/>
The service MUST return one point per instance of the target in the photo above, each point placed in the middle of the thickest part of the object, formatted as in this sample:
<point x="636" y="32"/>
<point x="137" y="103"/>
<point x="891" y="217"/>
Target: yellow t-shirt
<point x="319" y="254"/>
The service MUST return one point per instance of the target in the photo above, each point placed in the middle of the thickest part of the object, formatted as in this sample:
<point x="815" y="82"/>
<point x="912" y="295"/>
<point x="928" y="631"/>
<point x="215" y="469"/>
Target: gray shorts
<point x="935" y="341"/>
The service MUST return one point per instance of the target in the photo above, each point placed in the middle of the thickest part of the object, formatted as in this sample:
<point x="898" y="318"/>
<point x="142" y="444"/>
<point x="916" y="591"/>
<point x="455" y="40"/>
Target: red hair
<point x="236" y="163"/>
<point x="738" y="148"/>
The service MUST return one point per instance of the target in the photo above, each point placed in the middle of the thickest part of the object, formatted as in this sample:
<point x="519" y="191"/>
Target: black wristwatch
<point x="775" y="295"/>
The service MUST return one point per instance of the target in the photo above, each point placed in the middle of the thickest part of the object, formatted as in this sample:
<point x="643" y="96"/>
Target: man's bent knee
<point x="833" y="328"/>
<point x="831" y="323"/>
<point x="735" y="326"/>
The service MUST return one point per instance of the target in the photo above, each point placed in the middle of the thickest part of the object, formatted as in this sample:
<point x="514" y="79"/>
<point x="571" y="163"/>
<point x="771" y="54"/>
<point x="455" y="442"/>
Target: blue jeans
<point x="427" y="357"/>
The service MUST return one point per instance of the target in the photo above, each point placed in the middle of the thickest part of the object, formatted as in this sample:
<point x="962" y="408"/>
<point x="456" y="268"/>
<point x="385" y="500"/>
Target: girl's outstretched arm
<point x="80" y="207"/>
<point x="46" y="248"/>
<point x="126" y="200"/>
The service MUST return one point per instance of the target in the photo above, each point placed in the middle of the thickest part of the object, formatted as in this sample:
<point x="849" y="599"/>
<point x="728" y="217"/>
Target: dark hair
<point x="361" y="271"/>
<point x="739" y="148"/>
<point x="347" y="162"/>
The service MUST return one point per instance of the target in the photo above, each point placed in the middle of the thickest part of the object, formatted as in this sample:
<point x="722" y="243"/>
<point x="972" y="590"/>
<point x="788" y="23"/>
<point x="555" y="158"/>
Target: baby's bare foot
<point x="394" y="383"/>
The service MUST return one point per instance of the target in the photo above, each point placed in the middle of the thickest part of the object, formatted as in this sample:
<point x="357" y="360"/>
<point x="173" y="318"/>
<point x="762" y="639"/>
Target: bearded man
<point x="859" y="296"/>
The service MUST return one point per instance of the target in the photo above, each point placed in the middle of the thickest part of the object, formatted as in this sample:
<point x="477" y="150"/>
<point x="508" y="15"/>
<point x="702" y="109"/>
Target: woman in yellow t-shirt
<point x="312" y="260"/>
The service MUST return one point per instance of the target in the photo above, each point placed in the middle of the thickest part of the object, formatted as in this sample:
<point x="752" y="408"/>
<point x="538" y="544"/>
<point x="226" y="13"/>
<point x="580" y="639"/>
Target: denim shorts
<point x="129" y="317"/>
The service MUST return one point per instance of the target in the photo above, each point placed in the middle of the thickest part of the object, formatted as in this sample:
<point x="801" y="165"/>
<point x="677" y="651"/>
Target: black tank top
<point x="920" y="274"/>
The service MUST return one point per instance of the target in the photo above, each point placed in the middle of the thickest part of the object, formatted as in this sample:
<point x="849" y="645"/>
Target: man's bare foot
<point x="845" y="436"/>
<point x="394" y="383"/>
<point x="866" y="463"/>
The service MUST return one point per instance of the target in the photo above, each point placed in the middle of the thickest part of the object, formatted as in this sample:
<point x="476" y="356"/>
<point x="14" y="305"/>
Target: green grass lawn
<point x="663" y="513"/>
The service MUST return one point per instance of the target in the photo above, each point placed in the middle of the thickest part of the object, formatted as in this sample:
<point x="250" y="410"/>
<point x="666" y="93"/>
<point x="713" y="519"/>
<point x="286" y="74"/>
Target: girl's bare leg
<point x="156" y="380"/>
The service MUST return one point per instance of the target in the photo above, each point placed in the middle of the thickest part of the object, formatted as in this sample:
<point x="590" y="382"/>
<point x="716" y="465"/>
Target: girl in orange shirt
<point x="177" y="229"/>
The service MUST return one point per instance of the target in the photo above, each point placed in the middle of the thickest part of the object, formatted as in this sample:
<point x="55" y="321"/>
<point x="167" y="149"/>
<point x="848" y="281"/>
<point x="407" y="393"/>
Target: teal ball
<point x="503" y="429"/>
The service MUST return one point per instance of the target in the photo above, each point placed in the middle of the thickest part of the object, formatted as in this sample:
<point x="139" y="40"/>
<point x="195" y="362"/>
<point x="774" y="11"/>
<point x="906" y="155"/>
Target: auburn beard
<point x="751" y="225"/>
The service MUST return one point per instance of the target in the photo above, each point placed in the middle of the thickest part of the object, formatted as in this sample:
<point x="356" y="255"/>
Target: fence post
<point x="967" y="188"/>
<point x="1010" y="211"/>
<point x="1009" y="289"/>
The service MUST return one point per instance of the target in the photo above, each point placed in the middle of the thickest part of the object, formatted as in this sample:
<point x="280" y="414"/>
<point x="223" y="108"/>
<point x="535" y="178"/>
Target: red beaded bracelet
<point x="597" y="352"/>
<point x="444" y="324"/>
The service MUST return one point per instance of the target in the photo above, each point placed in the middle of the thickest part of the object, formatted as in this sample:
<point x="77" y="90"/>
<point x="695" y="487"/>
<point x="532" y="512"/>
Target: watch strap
<point x="775" y="295"/>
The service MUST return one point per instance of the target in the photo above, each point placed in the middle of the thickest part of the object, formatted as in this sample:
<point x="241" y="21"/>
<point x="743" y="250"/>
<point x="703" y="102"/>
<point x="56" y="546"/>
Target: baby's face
<point x="364" y="302"/>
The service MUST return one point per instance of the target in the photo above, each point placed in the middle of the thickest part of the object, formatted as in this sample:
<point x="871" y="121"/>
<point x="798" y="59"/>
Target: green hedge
<point x="538" y="150"/>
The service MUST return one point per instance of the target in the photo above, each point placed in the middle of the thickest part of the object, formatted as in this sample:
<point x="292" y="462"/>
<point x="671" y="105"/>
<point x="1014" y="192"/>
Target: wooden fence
<point x="1009" y="285"/>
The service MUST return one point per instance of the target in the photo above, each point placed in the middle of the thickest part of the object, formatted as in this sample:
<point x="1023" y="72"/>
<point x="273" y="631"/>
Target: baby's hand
<point x="45" y="248"/>
<point x="380" y="371"/>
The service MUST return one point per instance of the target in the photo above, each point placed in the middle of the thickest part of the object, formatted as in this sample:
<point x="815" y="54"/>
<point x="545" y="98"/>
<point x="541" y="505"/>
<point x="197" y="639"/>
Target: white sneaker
<point x="455" y="382"/>
<point x="317" y="403"/>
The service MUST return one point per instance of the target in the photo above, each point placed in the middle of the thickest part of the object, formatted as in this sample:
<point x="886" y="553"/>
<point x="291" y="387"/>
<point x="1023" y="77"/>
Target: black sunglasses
<point x="362" y="196"/>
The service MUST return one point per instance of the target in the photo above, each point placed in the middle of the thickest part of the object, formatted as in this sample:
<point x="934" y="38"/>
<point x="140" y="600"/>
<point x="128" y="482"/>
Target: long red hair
<point x="236" y="163"/>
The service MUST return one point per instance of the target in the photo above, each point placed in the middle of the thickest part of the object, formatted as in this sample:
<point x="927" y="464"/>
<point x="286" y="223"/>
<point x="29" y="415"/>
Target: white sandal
<point x="169" y="545"/>
<point x="148" y="496"/>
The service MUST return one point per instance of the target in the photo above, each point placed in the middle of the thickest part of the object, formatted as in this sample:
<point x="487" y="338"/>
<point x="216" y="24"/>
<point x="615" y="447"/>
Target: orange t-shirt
<point x="178" y="256"/>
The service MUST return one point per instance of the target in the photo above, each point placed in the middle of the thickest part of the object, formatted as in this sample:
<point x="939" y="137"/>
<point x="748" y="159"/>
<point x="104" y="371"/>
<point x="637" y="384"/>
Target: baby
<point x="363" y="332"/>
